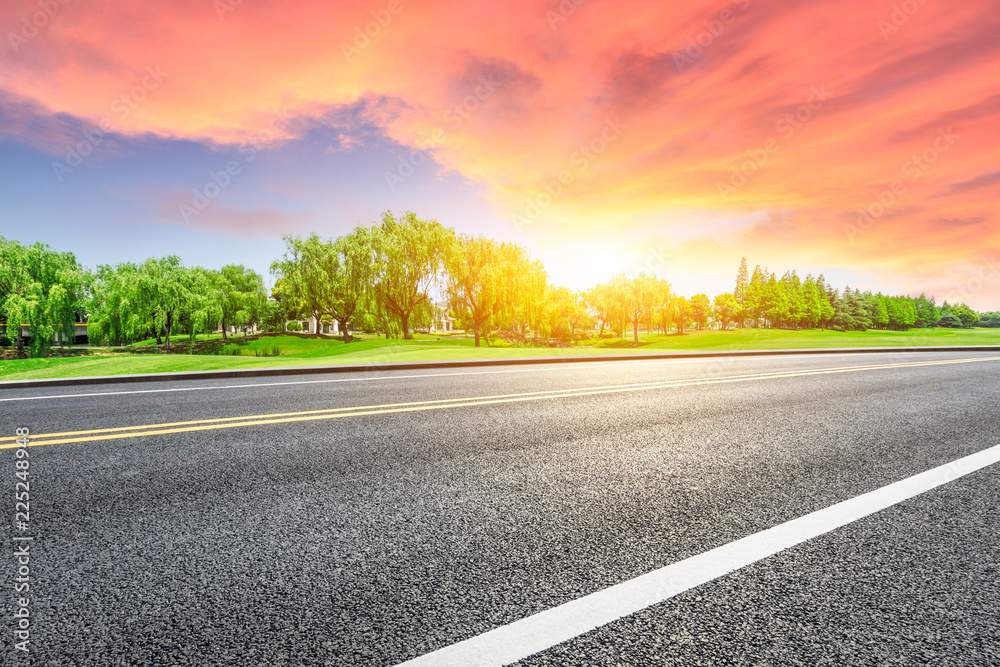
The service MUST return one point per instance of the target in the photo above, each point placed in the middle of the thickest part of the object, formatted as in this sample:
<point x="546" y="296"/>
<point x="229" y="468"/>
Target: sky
<point x="856" y="138"/>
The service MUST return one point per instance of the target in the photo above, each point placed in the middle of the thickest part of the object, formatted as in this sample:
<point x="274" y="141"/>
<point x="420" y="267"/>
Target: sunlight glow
<point x="582" y="265"/>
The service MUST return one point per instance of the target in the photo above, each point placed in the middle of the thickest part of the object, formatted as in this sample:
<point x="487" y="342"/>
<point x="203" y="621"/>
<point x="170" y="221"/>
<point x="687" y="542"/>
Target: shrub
<point x="294" y="326"/>
<point x="5" y="342"/>
<point x="950" y="321"/>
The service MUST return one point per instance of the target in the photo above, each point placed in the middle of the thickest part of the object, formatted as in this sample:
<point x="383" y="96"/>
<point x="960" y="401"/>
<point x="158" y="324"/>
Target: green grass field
<point x="295" y="351"/>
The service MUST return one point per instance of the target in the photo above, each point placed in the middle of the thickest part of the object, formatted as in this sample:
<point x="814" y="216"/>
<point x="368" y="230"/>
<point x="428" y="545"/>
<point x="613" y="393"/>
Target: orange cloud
<point x="851" y="133"/>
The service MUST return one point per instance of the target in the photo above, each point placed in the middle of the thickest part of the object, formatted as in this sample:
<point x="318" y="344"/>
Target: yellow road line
<point x="338" y="413"/>
<point x="331" y="410"/>
<point x="654" y="383"/>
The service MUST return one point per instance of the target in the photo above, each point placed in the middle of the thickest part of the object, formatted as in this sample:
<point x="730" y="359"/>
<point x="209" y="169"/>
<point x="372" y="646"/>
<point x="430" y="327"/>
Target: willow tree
<point x="116" y="316"/>
<point x="637" y="297"/>
<point x="484" y="278"/>
<point x="42" y="289"/>
<point x="529" y="289"/>
<point x="130" y="301"/>
<point x="328" y="277"/>
<point x="164" y="290"/>
<point x="564" y="312"/>
<point x="598" y="299"/>
<point x="663" y="312"/>
<point x="307" y="273"/>
<point x="353" y="274"/>
<point x="239" y="295"/>
<point x="409" y="256"/>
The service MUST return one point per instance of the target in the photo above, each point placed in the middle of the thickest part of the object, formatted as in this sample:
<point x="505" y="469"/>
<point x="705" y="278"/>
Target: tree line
<point x="130" y="302"/>
<point x="400" y="274"/>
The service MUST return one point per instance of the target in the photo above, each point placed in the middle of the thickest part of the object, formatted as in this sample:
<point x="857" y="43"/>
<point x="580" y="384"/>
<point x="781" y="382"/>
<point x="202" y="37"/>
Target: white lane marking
<point x="570" y="366"/>
<point x="353" y="379"/>
<point x="524" y="638"/>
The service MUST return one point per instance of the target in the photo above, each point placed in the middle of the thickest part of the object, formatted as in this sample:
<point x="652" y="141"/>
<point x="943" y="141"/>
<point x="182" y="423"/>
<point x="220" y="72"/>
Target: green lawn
<point x="774" y="339"/>
<point x="181" y="339"/>
<point x="296" y="351"/>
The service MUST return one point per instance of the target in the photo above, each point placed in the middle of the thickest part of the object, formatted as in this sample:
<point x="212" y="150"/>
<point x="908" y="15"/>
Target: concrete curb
<point x="461" y="363"/>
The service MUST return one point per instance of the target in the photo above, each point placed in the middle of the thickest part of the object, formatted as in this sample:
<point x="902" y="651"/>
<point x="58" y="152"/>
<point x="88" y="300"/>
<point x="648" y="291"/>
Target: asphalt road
<point x="382" y="534"/>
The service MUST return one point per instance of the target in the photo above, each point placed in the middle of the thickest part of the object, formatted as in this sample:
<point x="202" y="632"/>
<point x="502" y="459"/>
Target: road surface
<point x="373" y="518"/>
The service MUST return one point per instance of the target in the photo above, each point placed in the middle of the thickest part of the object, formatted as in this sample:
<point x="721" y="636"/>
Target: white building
<point x="327" y="327"/>
<point x="443" y="322"/>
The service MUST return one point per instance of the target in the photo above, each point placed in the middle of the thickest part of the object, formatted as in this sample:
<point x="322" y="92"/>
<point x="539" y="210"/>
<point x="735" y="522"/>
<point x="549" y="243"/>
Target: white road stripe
<point x="544" y="630"/>
<point x="596" y="365"/>
<point x="573" y="366"/>
<point x="331" y="380"/>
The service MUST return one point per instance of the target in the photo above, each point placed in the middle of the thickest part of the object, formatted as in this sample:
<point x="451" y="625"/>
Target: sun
<point x="581" y="265"/>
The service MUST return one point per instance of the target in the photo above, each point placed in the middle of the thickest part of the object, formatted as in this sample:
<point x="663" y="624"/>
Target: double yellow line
<point x="168" y="428"/>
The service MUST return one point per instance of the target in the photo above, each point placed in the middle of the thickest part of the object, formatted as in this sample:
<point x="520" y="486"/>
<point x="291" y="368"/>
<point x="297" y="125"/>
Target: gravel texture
<point x="371" y="540"/>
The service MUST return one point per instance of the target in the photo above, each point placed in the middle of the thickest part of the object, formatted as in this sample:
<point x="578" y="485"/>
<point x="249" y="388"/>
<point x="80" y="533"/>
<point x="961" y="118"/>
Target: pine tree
<point x="740" y="293"/>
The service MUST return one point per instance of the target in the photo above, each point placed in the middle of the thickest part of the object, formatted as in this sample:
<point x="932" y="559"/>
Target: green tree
<point x="740" y="293"/>
<point x="966" y="315"/>
<point x="598" y="299"/>
<point x="560" y="304"/>
<point x="664" y="310"/>
<point x="701" y="310"/>
<point x="529" y="308"/>
<point x="827" y="310"/>
<point x="682" y="313"/>
<point x="795" y="298"/>
<point x="579" y="315"/>
<point x="483" y="279"/>
<point x="409" y="256"/>
<point x="129" y="301"/>
<point x="814" y="297"/>
<point x="203" y="310"/>
<point x="879" y="310"/>
<point x="116" y="316"/>
<point x="950" y="321"/>
<point x="353" y="277"/>
<point x="635" y="299"/>
<point x="307" y="271"/>
<point x="164" y="287"/>
<point x="282" y="307"/>
<point x="41" y="288"/>
<point x="927" y="312"/>
<point x="725" y="310"/>
<point x="240" y="296"/>
<point x="755" y="303"/>
<point x="991" y="320"/>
